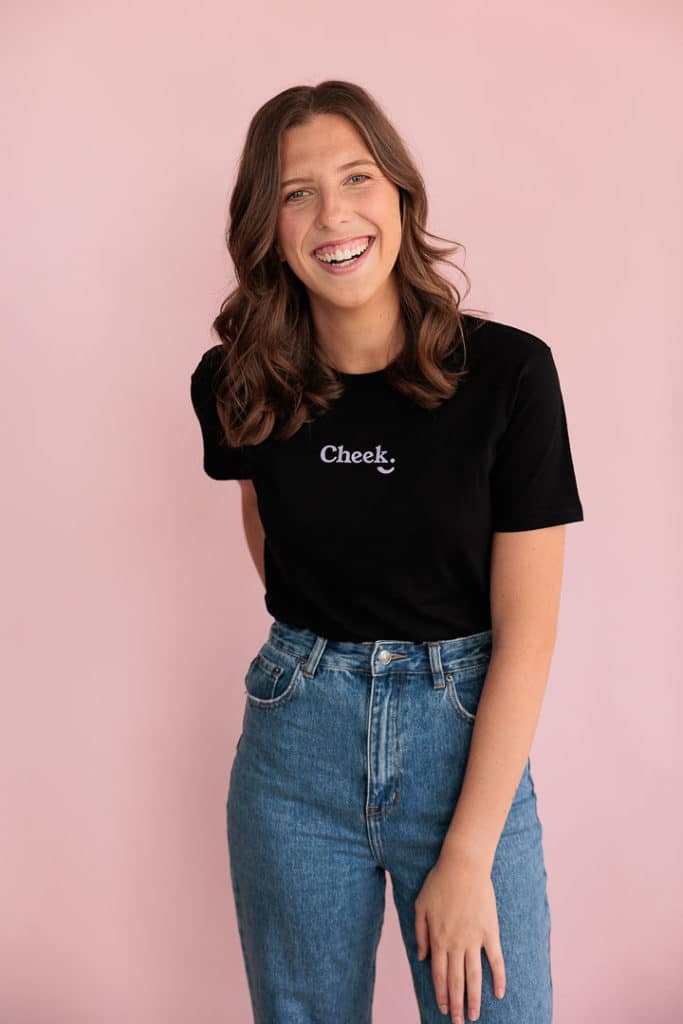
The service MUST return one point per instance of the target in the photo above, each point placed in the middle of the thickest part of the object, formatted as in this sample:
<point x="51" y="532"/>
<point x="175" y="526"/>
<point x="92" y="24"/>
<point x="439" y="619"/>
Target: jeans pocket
<point x="273" y="677"/>
<point x="464" y="684"/>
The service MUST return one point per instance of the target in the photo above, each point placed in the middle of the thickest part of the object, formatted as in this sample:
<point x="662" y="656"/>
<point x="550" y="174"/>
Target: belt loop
<point x="434" y="648"/>
<point x="310" y="664"/>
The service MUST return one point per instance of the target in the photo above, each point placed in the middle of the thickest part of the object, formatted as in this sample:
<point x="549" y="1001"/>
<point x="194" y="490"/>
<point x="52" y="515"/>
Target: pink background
<point x="550" y="143"/>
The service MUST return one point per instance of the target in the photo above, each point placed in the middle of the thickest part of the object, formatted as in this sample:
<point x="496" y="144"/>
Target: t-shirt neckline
<point x="368" y="375"/>
<point x="361" y="381"/>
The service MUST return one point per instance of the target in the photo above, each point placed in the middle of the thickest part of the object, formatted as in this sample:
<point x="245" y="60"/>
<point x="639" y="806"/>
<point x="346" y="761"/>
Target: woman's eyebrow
<point x="344" y="167"/>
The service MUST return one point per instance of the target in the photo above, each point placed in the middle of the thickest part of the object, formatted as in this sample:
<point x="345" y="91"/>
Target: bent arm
<point x="253" y="528"/>
<point x="526" y="577"/>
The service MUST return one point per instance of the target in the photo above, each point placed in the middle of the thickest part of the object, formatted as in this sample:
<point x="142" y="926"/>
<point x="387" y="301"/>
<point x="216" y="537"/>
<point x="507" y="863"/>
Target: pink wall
<point x="550" y="143"/>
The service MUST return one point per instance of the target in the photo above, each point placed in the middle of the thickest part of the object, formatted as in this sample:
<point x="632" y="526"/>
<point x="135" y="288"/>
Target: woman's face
<point x="333" y="203"/>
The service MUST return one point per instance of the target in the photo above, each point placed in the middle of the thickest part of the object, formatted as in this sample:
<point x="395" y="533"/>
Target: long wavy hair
<point x="273" y="376"/>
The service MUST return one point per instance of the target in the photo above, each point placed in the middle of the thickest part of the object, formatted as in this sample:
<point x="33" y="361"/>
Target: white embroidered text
<point x="378" y="456"/>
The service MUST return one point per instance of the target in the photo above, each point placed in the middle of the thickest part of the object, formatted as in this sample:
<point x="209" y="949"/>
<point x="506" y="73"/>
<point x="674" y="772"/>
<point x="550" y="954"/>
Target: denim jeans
<point x="349" y="766"/>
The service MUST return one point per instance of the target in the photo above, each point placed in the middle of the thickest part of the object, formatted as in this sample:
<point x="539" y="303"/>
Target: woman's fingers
<point x="458" y="972"/>
<point x="473" y="976"/>
<point x="421" y="934"/>
<point x="456" y="985"/>
<point x="441" y="977"/>
<point x="494" y="954"/>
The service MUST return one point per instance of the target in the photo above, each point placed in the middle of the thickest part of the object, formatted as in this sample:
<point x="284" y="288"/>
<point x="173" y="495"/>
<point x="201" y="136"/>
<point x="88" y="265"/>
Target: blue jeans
<point x="349" y="765"/>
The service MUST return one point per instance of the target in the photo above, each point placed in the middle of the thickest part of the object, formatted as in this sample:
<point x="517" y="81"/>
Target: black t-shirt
<point x="379" y="515"/>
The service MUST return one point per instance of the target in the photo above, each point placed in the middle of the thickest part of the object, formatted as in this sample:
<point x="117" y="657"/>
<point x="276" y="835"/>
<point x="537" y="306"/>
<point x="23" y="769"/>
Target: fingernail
<point x="443" y="1008"/>
<point x="500" y="992"/>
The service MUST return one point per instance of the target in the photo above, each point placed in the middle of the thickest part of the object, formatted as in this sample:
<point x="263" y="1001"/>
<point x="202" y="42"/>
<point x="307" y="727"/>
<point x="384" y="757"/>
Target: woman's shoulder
<point x="209" y="362"/>
<point x="204" y="381"/>
<point x="205" y="375"/>
<point x="510" y="340"/>
<point x="499" y="348"/>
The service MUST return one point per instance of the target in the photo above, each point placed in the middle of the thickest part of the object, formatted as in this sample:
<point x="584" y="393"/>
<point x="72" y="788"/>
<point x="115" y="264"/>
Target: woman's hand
<point x="455" y="916"/>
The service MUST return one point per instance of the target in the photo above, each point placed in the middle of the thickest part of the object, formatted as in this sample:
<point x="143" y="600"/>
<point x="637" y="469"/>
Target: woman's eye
<point x="300" y="190"/>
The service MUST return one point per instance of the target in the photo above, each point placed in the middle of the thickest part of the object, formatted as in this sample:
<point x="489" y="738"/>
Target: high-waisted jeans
<point x="349" y="766"/>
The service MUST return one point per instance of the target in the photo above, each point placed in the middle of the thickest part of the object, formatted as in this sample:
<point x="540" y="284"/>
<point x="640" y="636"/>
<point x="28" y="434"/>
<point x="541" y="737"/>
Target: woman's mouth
<point x="347" y="263"/>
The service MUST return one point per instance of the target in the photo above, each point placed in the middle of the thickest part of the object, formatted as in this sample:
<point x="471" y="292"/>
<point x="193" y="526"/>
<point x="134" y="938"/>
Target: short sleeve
<point x="533" y="483"/>
<point x="221" y="462"/>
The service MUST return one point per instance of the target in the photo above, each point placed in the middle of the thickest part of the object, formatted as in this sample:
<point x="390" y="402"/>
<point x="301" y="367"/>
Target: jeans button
<point x="384" y="656"/>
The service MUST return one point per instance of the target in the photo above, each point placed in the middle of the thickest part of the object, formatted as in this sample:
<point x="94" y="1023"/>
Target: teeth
<point x="342" y="254"/>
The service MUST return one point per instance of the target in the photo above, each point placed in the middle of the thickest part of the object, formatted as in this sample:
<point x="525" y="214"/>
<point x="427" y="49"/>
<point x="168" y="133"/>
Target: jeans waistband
<point x="379" y="655"/>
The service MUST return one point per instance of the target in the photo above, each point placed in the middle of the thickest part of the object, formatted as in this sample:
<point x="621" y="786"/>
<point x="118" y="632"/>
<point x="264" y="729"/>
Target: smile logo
<point x="378" y="456"/>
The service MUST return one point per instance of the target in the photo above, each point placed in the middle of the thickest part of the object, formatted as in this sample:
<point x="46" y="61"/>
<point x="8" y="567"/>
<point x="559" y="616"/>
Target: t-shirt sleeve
<point x="221" y="461"/>
<point x="533" y="483"/>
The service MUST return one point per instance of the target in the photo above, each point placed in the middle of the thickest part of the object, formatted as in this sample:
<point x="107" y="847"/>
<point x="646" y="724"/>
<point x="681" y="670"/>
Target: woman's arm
<point x="526" y="579"/>
<point x="253" y="527"/>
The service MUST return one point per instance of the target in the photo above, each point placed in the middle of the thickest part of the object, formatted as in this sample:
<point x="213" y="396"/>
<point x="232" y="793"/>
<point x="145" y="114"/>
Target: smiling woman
<point x="406" y="476"/>
<point x="322" y="172"/>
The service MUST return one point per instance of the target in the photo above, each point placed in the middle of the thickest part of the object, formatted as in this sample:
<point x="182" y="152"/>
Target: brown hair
<point x="273" y="376"/>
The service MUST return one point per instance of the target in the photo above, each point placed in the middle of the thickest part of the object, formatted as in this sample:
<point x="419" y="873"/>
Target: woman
<point x="406" y="477"/>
